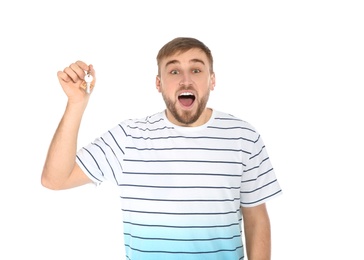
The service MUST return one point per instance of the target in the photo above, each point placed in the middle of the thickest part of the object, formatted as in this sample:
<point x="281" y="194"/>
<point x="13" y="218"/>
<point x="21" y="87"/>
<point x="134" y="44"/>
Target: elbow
<point x="48" y="182"/>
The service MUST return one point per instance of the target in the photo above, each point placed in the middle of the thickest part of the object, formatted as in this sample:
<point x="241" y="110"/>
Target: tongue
<point x="186" y="101"/>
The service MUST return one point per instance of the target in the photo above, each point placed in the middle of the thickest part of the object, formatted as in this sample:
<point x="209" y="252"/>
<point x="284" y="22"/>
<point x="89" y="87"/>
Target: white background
<point x="293" y="69"/>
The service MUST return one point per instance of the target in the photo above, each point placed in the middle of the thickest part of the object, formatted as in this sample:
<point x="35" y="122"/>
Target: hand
<point x="72" y="81"/>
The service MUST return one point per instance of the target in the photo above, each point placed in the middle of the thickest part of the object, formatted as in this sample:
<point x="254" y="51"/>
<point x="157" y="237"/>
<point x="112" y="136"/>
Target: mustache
<point x="184" y="88"/>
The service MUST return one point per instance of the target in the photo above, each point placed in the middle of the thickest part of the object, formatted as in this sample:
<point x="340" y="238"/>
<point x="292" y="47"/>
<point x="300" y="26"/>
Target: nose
<point x="186" y="81"/>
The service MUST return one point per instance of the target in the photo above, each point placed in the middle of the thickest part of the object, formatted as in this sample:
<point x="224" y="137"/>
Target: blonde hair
<point x="181" y="45"/>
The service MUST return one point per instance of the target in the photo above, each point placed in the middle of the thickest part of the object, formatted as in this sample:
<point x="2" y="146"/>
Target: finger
<point x="92" y="71"/>
<point x="82" y="65"/>
<point x="79" y="72"/>
<point x="72" y="74"/>
<point x="63" y="76"/>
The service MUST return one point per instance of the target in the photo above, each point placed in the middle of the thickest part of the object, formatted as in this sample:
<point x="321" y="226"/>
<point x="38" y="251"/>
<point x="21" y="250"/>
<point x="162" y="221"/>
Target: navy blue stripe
<point x="122" y="128"/>
<point x="231" y="127"/>
<point x="229" y="118"/>
<point x="255" y="167"/>
<point x="188" y="227"/>
<point x="148" y="129"/>
<point x="147" y="121"/>
<point x="271" y="195"/>
<point x="181" y="213"/>
<point x="176" y="200"/>
<point x="178" y="187"/>
<point x="183" y="240"/>
<point x="116" y="142"/>
<point x="116" y="157"/>
<point x="271" y="169"/>
<point x="185" y="173"/>
<point x="87" y="169"/>
<point x="93" y="159"/>
<point x="183" y="161"/>
<point x="188" y="137"/>
<point x="113" y="173"/>
<point x="261" y="187"/>
<point x="257" y="153"/>
<point x="185" y="252"/>
<point x="187" y="148"/>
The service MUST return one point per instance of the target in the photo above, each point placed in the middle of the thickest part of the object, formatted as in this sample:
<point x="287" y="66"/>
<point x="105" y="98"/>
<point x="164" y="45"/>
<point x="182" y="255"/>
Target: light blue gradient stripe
<point x="187" y="243"/>
<point x="233" y="254"/>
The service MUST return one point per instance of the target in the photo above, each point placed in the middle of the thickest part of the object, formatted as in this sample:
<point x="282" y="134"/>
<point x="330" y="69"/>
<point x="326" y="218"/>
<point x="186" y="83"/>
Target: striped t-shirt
<point x="182" y="187"/>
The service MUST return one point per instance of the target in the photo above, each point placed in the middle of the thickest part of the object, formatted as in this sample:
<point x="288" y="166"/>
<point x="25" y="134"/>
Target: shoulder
<point x="150" y="123"/>
<point x="140" y="121"/>
<point x="227" y="120"/>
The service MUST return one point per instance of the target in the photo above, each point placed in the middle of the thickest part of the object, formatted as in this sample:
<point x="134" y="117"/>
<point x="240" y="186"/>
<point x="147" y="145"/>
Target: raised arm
<point x="60" y="170"/>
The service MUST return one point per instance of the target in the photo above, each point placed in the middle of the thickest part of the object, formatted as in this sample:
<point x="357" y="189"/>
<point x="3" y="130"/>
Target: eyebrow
<point x="177" y="62"/>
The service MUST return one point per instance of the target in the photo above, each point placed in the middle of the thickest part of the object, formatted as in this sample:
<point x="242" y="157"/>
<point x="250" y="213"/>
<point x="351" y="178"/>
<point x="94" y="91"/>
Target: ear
<point x="158" y="83"/>
<point x="212" y="81"/>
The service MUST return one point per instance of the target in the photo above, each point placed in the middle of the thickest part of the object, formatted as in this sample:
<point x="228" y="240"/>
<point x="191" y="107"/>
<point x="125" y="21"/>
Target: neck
<point x="202" y="119"/>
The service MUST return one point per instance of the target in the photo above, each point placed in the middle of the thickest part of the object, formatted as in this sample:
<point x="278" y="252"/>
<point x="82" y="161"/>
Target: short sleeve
<point x="259" y="182"/>
<point x="102" y="159"/>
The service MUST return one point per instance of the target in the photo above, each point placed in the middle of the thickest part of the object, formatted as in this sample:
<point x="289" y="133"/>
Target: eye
<point x="174" y="72"/>
<point x="196" y="71"/>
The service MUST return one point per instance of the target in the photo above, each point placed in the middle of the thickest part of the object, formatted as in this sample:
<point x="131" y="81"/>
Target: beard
<point x="186" y="117"/>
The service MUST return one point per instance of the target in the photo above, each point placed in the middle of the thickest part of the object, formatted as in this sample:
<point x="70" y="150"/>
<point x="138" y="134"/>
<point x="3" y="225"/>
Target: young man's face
<point x="185" y="82"/>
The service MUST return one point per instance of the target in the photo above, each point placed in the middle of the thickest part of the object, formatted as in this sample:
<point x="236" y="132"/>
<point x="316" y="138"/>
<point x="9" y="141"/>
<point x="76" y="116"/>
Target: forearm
<point x="61" y="155"/>
<point x="257" y="232"/>
<point x="258" y="242"/>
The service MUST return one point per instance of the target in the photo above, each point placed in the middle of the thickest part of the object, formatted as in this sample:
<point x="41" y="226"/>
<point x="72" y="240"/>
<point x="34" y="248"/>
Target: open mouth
<point x="186" y="99"/>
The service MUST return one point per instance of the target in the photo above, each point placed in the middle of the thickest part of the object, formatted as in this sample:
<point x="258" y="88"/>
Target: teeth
<point x="186" y="94"/>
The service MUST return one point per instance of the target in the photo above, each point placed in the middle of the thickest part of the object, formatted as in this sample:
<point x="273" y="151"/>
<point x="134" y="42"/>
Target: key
<point x="88" y="79"/>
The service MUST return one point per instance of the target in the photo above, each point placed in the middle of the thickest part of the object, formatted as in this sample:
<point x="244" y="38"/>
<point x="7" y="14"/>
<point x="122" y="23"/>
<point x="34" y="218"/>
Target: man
<point x="192" y="179"/>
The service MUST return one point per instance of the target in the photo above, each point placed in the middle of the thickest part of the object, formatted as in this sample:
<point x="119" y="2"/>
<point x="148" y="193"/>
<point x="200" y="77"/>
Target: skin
<point x="60" y="170"/>
<point x="257" y="232"/>
<point x="179" y="73"/>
